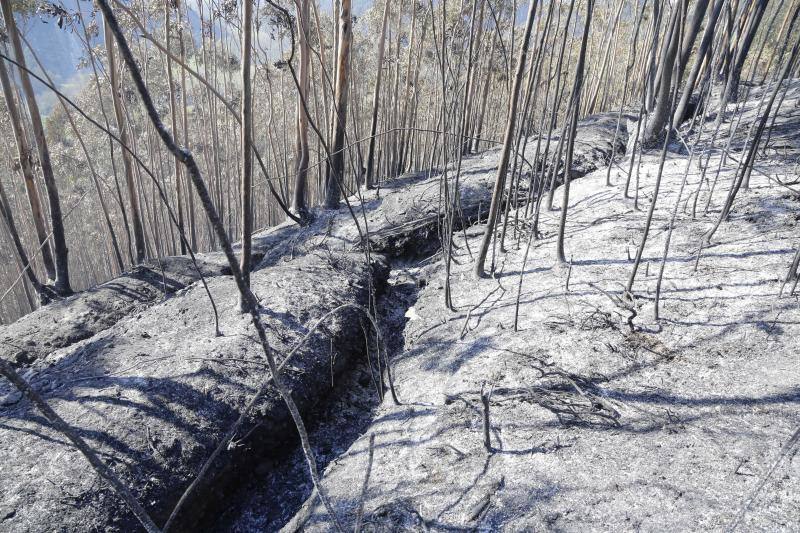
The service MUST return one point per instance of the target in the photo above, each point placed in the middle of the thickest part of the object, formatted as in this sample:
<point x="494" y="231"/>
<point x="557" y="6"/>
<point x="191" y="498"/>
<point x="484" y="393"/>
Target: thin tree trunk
<point x="133" y="195"/>
<point x="29" y="178"/>
<point x="661" y="115"/>
<point x="575" y="103"/>
<point x="702" y="50"/>
<point x="748" y="161"/>
<point x="173" y="111"/>
<point x="299" y="202"/>
<point x="26" y="266"/>
<point x="95" y="178"/>
<point x="61" y="282"/>
<point x="732" y="85"/>
<point x="376" y="97"/>
<point x="335" y="179"/>
<point x="499" y="183"/>
<point x="246" y="141"/>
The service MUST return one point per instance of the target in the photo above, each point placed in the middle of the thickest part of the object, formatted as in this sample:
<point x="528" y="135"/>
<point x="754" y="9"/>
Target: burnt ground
<point x="680" y="423"/>
<point x="601" y="417"/>
<point x="154" y="393"/>
<point x="271" y="496"/>
<point x="65" y="322"/>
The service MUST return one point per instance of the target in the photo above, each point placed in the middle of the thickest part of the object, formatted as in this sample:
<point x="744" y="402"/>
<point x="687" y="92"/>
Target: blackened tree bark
<point x="690" y="35"/>
<point x="500" y="179"/>
<point x="699" y="61"/>
<point x="661" y="115"/>
<point x="745" y="43"/>
<point x="743" y="173"/>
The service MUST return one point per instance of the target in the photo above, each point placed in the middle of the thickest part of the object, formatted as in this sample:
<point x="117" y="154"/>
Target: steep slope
<point x="150" y="387"/>
<point x="600" y="417"/>
<point x="62" y="323"/>
<point x="154" y="394"/>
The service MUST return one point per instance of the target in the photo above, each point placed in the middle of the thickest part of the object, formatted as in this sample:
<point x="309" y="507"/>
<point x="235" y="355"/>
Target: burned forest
<point x="425" y="265"/>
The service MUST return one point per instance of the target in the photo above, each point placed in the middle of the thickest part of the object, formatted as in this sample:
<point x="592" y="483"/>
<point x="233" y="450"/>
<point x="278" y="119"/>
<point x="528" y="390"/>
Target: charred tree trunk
<point x="576" y="105"/>
<point x="500" y="179"/>
<point x="702" y="52"/>
<point x="661" y="115"/>
<point x="740" y="55"/>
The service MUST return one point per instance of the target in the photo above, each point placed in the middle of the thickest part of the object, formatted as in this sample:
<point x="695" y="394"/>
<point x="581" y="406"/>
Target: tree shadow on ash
<point x="84" y="379"/>
<point x="149" y="427"/>
<point x="445" y="361"/>
<point x="684" y="258"/>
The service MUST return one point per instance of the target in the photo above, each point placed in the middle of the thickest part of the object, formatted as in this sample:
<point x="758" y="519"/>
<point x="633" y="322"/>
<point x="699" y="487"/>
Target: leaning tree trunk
<point x="650" y="71"/>
<point x="734" y="77"/>
<point x="702" y="51"/>
<point x="690" y="34"/>
<point x="335" y="181"/>
<point x="61" y="284"/>
<point x="500" y="179"/>
<point x="743" y="173"/>
<point x="601" y="74"/>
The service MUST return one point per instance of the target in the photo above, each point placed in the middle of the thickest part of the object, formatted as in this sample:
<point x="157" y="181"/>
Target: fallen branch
<point x="620" y="303"/>
<point x="487" y="427"/>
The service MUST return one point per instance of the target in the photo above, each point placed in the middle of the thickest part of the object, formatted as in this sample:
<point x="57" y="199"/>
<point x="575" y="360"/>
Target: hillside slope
<point x="135" y="368"/>
<point x="689" y="423"/>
